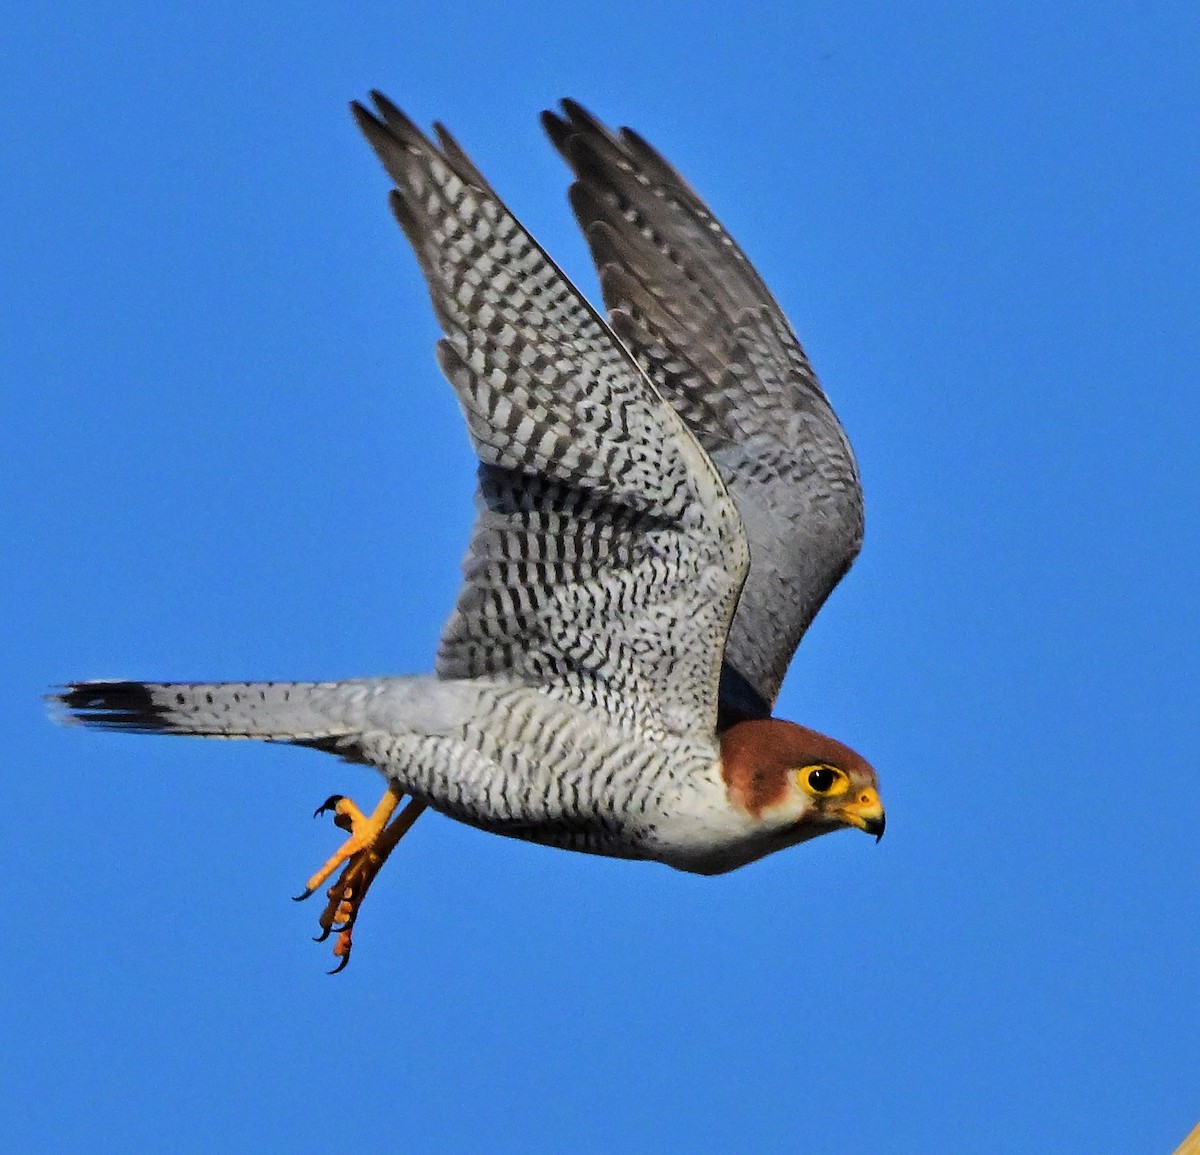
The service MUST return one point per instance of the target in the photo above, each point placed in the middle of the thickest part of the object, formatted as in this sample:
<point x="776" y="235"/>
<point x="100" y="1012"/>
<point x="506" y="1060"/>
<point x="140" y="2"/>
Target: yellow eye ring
<point x="822" y="781"/>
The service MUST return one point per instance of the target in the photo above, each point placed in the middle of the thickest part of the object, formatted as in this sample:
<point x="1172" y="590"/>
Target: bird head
<point x="795" y="780"/>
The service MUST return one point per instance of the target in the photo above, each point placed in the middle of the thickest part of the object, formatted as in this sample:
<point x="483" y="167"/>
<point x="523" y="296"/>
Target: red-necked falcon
<point x="664" y="501"/>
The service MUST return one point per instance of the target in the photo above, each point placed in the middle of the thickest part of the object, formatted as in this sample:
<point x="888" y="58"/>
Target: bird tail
<point x="299" y="712"/>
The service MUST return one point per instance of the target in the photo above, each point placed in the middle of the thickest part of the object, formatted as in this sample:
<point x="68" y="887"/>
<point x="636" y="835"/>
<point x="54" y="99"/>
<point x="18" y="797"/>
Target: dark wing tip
<point x="363" y="116"/>
<point x="555" y="127"/>
<point x="575" y="122"/>
<point x="109" y="706"/>
<point x="397" y="139"/>
<point x="582" y="119"/>
<point x="399" y="122"/>
<point x="386" y="126"/>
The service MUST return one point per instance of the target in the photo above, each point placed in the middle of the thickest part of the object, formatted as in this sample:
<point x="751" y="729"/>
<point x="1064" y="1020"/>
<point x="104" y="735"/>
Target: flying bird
<point x="665" y="500"/>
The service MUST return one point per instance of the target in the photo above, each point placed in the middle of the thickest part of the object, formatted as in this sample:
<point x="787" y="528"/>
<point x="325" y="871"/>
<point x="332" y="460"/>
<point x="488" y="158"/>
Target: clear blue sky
<point x="229" y="454"/>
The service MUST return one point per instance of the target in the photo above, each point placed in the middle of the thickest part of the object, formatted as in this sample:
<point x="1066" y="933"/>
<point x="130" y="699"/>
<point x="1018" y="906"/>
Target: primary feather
<point x="685" y="300"/>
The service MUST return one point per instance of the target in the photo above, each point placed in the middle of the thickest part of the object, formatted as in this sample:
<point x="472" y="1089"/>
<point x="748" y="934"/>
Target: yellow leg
<point x="371" y="840"/>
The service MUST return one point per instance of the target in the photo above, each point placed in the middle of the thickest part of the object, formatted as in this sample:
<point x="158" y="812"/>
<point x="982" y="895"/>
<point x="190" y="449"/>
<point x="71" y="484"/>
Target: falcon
<point x="665" y="500"/>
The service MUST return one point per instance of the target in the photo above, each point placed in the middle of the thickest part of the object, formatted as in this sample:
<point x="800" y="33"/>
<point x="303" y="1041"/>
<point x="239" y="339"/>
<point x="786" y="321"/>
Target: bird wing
<point x="606" y="559"/>
<point x="696" y="315"/>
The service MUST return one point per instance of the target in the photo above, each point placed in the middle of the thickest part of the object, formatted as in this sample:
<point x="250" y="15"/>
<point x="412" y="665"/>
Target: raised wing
<point x="605" y="563"/>
<point x="701" y="323"/>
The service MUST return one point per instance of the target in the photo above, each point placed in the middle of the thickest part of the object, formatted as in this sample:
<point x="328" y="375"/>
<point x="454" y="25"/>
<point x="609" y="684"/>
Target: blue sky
<point x="230" y="455"/>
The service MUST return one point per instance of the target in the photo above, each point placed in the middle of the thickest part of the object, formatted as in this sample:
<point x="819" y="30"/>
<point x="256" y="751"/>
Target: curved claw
<point x="342" y="948"/>
<point x="301" y="897"/>
<point x="324" y="934"/>
<point x="330" y="803"/>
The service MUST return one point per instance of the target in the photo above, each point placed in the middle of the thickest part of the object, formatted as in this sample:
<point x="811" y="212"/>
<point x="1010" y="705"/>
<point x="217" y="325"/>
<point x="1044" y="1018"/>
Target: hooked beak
<point x="866" y="812"/>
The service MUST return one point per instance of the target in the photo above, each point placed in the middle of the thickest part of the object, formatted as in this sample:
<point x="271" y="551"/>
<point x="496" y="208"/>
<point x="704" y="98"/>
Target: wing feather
<point x="607" y="555"/>
<point x="685" y="300"/>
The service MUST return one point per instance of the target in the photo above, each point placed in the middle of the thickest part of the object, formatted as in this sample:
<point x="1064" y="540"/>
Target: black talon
<point x="301" y="897"/>
<point x="330" y="803"/>
<point x="346" y="958"/>
<point x="323" y="935"/>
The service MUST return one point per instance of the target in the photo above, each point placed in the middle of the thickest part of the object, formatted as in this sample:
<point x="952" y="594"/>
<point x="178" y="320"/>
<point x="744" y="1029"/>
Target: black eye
<point x="821" y="779"/>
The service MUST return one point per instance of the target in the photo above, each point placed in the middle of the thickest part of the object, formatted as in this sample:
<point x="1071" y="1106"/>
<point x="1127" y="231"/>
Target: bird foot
<point x="371" y="840"/>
